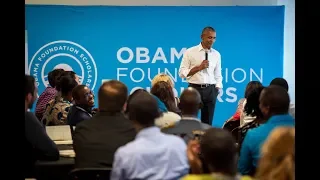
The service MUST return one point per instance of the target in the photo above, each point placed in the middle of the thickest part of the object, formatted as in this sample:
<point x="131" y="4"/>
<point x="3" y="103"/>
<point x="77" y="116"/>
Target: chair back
<point x="90" y="173"/>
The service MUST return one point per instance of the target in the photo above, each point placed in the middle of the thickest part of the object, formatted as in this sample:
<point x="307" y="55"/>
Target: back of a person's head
<point x="162" y="77"/>
<point x="190" y="100"/>
<point x="53" y="75"/>
<point x="63" y="74"/>
<point x="67" y="83"/>
<point x="251" y="86"/>
<point x="253" y="101"/>
<point x="280" y="82"/>
<point x="219" y="151"/>
<point x="275" y="99"/>
<point x="278" y="158"/>
<point x="112" y="96"/>
<point x="29" y="85"/>
<point x="130" y="98"/>
<point x="143" y="109"/>
<point x="164" y="92"/>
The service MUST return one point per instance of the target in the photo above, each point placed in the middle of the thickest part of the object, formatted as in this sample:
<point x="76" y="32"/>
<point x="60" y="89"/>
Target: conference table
<point x="55" y="170"/>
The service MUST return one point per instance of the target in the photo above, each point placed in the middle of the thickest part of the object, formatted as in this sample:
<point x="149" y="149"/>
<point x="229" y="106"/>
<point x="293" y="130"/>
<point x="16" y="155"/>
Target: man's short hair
<point x="280" y="82"/>
<point x="276" y="98"/>
<point x="112" y="96"/>
<point x="29" y="85"/>
<point x="143" y="108"/>
<point x="219" y="150"/>
<point x="208" y="28"/>
<point x="76" y="90"/>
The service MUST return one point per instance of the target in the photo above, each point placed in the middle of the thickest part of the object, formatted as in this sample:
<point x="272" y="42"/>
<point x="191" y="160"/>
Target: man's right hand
<point x="204" y="64"/>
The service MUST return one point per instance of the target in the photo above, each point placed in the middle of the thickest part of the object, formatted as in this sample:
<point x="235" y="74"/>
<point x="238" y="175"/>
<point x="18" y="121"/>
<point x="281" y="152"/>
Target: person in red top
<point x="48" y="94"/>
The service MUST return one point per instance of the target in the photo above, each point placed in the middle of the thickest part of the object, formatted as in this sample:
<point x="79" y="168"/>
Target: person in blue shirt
<point x="274" y="105"/>
<point x="152" y="155"/>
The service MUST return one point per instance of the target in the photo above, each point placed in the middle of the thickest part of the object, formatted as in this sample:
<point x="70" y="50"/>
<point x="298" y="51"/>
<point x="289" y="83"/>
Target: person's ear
<point x="124" y="108"/>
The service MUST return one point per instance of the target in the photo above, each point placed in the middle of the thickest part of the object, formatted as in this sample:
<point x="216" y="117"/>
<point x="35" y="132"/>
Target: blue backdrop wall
<point x="133" y="44"/>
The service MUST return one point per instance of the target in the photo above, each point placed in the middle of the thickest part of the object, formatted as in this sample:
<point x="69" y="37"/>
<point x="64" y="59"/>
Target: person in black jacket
<point x="38" y="145"/>
<point x="83" y="99"/>
<point x="96" y="140"/>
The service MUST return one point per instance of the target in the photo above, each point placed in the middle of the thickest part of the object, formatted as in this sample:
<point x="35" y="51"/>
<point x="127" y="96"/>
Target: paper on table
<point x="59" y="133"/>
<point x="63" y="142"/>
<point x="67" y="153"/>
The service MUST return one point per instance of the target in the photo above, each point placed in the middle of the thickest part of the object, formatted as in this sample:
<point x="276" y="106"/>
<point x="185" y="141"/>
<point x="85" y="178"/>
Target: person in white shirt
<point x="201" y="66"/>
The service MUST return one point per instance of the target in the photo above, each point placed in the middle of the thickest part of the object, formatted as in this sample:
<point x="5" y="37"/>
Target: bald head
<point x="190" y="101"/>
<point x="112" y="96"/>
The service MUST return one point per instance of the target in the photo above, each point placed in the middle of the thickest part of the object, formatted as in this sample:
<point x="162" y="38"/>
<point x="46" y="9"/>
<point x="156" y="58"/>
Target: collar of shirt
<point x="190" y="118"/>
<point x="200" y="47"/>
<point x="81" y="109"/>
<point x="147" y="132"/>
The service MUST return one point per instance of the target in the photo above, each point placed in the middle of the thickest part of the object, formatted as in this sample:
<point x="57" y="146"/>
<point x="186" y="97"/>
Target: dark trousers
<point x="208" y="97"/>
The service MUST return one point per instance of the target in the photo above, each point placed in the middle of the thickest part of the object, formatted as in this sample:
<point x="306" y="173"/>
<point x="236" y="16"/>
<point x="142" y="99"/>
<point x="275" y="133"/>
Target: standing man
<point x="201" y="66"/>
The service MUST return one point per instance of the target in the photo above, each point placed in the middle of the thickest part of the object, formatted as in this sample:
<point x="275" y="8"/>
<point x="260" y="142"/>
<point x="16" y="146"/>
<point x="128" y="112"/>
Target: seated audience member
<point x="152" y="155"/>
<point x="126" y="108"/>
<point x="189" y="127"/>
<point x="240" y="108"/>
<point x="48" y="94"/>
<point x="219" y="154"/>
<point x="274" y="105"/>
<point x="241" y="117"/>
<point x="166" y="78"/>
<point x="246" y="117"/>
<point x="283" y="83"/>
<point x="164" y="94"/>
<point x="95" y="141"/>
<point x="57" y="111"/>
<point x="277" y="156"/>
<point x="251" y="109"/>
<point x="83" y="102"/>
<point x="38" y="146"/>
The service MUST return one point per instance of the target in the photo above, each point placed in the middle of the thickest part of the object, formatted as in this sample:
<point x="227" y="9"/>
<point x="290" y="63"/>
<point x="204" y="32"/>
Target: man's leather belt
<point x="201" y="85"/>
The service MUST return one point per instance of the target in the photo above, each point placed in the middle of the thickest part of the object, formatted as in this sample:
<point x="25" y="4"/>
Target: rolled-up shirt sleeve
<point x="185" y="65"/>
<point x="217" y="73"/>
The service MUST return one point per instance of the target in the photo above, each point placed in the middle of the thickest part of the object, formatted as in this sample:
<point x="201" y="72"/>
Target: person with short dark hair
<point x="283" y="83"/>
<point x="219" y="154"/>
<point x="201" y="66"/>
<point x="48" y="94"/>
<point x="189" y="127"/>
<point x="83" y="99"/>
<point x="96" y="140"/>
<point x="274" y="105"/>
<point x="38" y="145"/>
<point x="153" y="154"/>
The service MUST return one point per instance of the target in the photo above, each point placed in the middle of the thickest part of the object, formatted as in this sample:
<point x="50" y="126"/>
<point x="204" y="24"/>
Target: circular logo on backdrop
<point x="66" y="55"/>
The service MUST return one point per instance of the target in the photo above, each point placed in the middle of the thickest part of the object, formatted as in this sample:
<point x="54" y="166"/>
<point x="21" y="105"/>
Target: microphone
<point x="206" y="57"/>
<point x="206" y="54"/>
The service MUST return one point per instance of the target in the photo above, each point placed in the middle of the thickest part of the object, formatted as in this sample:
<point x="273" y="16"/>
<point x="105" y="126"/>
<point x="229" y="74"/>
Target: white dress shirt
<point x="194" y="57"/>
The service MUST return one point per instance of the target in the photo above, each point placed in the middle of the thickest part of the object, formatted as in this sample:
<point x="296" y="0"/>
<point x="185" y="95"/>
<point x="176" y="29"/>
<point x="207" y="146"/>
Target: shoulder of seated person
<point x="169" y="125"/>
